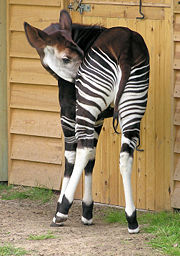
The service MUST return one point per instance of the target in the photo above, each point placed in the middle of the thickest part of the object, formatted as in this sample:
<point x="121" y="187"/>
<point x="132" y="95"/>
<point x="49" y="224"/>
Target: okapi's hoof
<point x="56" y="225"/>
<point x="86" y="221"/>
<point x="133" y="231"/>
<point x="87" y="213"/>
<point x="60" y="217"/>
<point x="133" y="227"/>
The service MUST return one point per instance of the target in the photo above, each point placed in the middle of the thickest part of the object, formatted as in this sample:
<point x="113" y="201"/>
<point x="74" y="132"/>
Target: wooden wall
<point x="3" y="96"/>
<point x="35" y="140"/>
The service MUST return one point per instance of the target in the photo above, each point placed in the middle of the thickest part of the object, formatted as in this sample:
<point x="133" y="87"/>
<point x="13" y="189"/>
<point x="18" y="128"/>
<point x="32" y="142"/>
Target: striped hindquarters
<point x="134" y="99"/>
<point x="95" y="82"/>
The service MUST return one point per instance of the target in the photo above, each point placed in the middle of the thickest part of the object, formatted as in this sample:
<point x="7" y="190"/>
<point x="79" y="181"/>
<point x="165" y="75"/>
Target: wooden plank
<point x="34" y="97"/>
<point x="116" y="192"/>
<point x="177" y="170"/>
<point x="19" y="46"/>
<point x="159" y="117"/>
<point x="168" y="110"/>
<point x="177" y="118"/>
<point x="36" y="149"/>
<point x="177" y="141"/>
<point x="175" y="199"/>
<point x="176" y="6"/>
<point x="37" y="2"/>
<point x="177" y="90"/>
<point x="176" y="36"/>
<point x="97" y="173"/>
<point x="38" y="16"/>
<point x="176" y="63"/>
<point x="152" y="3"/>
<point x="29" y="71"/>
<point x="150" y="120"/>
<point x="177" y="112"/>
<point x="79" y="191"/>
<point x="3" y="96"/>
<point x="141" y="156"/>
<point x="37" y="123"/>
<point x="127" y="12"/>
<point x="105" y="184"/>
<point x="36" y="174"/>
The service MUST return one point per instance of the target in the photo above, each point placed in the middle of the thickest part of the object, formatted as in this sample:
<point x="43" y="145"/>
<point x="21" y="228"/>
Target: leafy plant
<point x="13" y="193"/>
<point x="49" y="235"/>
<point x="8" y="250"/>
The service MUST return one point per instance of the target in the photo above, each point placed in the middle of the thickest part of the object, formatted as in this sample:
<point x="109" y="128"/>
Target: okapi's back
<point x="123" y="43"/>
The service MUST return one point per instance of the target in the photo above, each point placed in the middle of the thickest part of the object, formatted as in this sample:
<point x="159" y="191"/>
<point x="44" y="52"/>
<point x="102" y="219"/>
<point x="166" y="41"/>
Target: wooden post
<point x="3" y="96"/>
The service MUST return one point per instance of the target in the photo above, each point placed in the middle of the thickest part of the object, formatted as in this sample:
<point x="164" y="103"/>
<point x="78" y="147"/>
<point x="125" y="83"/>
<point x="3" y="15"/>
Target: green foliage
<point x="13" y="193"/>
<point x="49" y="235"/>
<point x="8" y="250"/>
<point x="115" y="217"/>
<point x="5" y="187"/>
<point x="165" y="227"/>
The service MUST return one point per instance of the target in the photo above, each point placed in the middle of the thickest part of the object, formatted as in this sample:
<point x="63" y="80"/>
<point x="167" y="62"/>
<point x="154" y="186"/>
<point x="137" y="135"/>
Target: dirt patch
<point x="20" y="219"/>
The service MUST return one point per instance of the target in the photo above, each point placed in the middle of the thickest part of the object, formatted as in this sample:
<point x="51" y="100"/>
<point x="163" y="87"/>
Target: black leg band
<point x="132" y="221"/>
<point x="64" y="206"/>
<point x="87" y="210"/>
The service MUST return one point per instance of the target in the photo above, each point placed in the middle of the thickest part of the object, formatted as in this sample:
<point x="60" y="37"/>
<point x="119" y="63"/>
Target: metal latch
<point x="78" y="6"/>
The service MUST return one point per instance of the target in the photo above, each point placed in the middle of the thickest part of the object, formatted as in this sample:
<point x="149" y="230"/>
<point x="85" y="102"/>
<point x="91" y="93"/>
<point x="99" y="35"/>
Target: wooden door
<point x="152" y="167"/>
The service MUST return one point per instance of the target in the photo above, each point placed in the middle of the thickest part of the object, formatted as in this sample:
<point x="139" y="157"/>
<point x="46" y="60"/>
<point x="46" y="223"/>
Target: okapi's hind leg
<point x="87" y="203"/>
<point x="126" y="161"/>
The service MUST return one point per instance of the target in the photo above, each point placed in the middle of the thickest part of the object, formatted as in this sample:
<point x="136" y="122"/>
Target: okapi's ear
<point x="65" y="21"/>
<point x="36" y="37"/>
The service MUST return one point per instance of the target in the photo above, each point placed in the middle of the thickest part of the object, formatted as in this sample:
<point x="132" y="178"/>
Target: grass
<point x="34" y="194"/>
<point x="164" y="226"/>
<point x="7" y="250"/>
<point x="49" y="235"/>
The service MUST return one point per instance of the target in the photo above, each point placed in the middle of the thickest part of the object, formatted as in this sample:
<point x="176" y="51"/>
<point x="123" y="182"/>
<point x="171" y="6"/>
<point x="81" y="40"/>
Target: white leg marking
<point x="63" y="189"/>
<point x="85" y="221"/>
<point x="133" y="231"/>
<point x="70" y="156"/>
<point x="61" y="215"/>
<point x="126" y="169"/>
<point x="87" y="198"/>
<point x="82" y="157"/>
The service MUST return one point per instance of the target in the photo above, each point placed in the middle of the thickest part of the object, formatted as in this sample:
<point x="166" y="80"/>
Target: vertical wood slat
<point x="150" y="123"/>
<point x="3" y="96"/>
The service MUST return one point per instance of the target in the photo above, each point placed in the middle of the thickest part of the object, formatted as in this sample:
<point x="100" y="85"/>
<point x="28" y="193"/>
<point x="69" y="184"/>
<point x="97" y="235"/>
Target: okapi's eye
<point x="66" y="60"/>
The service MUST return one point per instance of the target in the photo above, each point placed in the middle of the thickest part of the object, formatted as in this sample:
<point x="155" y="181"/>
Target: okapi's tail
<point x="126" y="69"/>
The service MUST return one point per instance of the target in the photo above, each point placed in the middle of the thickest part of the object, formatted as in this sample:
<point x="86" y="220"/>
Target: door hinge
<point x="78" y="6"/>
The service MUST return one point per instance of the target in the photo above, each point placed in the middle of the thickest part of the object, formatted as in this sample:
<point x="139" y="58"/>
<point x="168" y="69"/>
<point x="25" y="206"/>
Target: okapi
<point x="108" y="66"/>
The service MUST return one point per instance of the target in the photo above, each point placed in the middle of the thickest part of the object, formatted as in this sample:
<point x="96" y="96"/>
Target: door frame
<point x="3" y="95"/>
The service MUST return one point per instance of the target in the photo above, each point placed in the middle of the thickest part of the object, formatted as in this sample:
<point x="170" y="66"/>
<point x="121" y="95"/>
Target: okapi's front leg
<point x="70" y="155"/>
<point x="126" y="160"/>
<point x="68" y="126"/>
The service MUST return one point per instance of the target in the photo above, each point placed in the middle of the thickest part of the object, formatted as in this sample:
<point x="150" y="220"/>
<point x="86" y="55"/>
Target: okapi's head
<point x="58" y="53"/>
